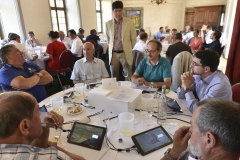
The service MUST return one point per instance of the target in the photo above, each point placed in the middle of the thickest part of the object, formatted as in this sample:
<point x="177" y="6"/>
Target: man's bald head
<point x="88" y="51"/>
<point x="14" y="107"/>
<point x="61" y="35"/>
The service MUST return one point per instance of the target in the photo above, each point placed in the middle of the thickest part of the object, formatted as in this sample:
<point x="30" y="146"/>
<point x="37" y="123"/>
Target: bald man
<point x="65" y="40"/>
<point x="88" y="67"/>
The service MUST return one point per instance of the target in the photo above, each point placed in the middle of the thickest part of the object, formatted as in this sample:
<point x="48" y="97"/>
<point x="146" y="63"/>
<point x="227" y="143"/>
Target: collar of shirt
<point x="209" y="78"/>
<point x="85" y="60"/>
<point x="119" y="21"/>
<point x="158" y="62"/>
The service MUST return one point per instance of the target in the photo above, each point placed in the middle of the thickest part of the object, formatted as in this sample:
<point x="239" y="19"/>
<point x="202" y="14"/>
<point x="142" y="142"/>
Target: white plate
<point x="75" y="113"/>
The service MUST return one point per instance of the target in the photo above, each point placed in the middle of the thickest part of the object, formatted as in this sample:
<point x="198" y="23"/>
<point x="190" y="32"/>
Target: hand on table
<point x="52" y="119"/>
<point x="180" y="141"/>
<point x="187" y="79"/>
<point x="140" y="81"/>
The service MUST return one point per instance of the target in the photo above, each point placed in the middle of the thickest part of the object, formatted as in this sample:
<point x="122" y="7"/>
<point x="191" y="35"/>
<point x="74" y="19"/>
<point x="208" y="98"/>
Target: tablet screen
<point x="87" y="135"/>
<point x="151" y="140"/>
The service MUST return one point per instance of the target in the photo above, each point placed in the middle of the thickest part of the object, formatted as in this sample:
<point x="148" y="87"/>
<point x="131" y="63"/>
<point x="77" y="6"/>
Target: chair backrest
<point x="66" y="59"/>
<point x="236" y="92"/>
<point x="137" y="57"/>
<point x="181" y="64"/>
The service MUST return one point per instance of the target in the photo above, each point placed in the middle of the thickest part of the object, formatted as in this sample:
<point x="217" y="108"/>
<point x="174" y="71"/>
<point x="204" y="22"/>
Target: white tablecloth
<point x="105" y="46"/>
<point x="114" y="134"/>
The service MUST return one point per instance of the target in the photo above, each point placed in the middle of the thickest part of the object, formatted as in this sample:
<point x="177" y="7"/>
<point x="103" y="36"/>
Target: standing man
<point x="121" y="35"/>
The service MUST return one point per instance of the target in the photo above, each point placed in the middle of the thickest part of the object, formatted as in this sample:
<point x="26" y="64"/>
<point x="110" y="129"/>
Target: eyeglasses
<point x="150" y="51"/>
<point x="195" y="64"/>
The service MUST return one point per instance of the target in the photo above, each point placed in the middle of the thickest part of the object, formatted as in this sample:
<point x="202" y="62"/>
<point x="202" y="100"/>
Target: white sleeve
<point x="26" y="53"/>
<point x="75" y="72"/>
<point x="73" y="48"/>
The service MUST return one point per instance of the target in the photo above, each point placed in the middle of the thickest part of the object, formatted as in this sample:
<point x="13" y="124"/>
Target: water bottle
<point x="162" y="107"/>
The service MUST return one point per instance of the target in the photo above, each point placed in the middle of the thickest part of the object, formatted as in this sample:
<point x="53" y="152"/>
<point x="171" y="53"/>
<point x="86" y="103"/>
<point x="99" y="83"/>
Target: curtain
<point x="233" y="63"/>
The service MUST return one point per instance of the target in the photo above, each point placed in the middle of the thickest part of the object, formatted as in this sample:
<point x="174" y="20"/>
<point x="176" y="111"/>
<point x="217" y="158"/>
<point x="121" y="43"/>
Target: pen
<point x="110" y="118"/>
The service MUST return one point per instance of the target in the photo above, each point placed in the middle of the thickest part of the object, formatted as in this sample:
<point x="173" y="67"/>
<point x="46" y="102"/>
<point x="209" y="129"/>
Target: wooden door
<point x="189" y="17"/>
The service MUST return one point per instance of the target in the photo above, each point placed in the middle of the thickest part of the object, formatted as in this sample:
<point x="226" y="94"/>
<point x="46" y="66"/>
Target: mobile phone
<point x="42" y="110"/>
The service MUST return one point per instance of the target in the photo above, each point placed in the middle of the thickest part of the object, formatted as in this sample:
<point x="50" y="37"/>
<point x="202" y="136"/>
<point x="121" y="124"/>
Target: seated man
<point x="171" y="38"/>
<point x="215" y="45"/>
<point x="188" y="36"/>
<point x="77" y="44"/>
<point x="81" y="34"/>
<point x="88" y="67"/>
<point x="159" y="33"/>
<point x="65" y="40"/>
<point x="16" y="74"/>
<point x="23" y="135"/>
<point x="32" y="40"/>
<point x="141" y="44"/>
<point x="15" y="40"/>
<point x="204" y="81"/>
<point x="153" y="70"/>
<point x="213" y="134"/>
<point x="176" y="48"/>
<point x="93" y="36"/>
<point x="5" y="41"/>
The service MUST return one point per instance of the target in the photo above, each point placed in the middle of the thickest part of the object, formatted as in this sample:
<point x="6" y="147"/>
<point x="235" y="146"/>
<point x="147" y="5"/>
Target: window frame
<point x="59" y="9"/>
<point x="99" y="11"/>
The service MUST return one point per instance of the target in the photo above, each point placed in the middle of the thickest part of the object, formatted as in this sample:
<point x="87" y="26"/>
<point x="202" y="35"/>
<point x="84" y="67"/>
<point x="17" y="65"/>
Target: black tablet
<point x="172" y="103"/>
<point x="151" y="140"/>
<point x="87" y="135"/>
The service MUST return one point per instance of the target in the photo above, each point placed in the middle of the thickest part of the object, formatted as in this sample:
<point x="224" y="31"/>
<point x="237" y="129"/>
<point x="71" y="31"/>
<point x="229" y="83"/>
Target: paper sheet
<point x="124" y="94"/>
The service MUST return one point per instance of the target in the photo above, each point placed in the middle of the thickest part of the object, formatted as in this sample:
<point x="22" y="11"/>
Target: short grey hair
<point x="5" y="50"/>
<point x="222" y="118"/>
<point x="158" y="44"/>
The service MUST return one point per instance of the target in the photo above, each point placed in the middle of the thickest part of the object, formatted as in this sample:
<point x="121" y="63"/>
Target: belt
<point x="118" y="51"/>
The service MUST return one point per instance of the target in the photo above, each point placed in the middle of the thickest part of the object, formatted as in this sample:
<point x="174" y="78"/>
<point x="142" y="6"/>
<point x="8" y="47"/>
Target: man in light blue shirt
<point x="153" y="70"/>
<point x="159" y="33"/>
<point x="204" y="81"/>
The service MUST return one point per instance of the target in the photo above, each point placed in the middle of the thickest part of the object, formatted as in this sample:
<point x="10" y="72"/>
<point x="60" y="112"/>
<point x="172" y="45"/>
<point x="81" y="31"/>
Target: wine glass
<point x="98" y="80"/>
<point x="79" y="90"/>
<point x="153" y="89"/>
<point x="125" y="74"/>
<point x="150" y="110"/>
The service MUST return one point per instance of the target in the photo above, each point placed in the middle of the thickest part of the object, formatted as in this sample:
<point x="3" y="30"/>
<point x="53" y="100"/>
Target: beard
<point x="194" y="150"/>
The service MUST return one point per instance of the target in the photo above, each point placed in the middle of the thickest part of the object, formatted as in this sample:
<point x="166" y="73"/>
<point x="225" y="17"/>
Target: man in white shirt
<point x="141" y="44"/>
<point x="77" y="44"/>
<point x="206" y="34"/>
<point x="188" y="36"/>
<point x="65" y="40"/>
<point x="88" y="67"/>
<point x="15" y="40"/>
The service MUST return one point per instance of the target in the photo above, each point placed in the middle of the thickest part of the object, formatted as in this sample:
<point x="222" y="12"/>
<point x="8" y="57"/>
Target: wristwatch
<point x="151" y="84"/>
<point x="188" y="90"/>
<point x="167" y="155"/>
<point x="39" y="74"/>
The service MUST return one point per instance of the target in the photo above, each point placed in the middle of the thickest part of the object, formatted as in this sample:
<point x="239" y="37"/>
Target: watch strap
<point x="167" y="155"/>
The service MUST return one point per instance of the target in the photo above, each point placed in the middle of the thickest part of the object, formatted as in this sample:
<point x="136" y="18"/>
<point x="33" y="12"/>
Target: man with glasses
<point x="153" y="70"/>
<point x="23" y="134"/>
<point x="204" y="81"/>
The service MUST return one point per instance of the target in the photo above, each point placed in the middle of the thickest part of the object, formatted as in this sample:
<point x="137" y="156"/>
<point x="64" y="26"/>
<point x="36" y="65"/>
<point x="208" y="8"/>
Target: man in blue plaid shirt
<point x="23" y="135"/>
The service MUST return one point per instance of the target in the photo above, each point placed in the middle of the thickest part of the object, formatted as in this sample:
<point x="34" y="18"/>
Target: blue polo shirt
<point x="156" y="73"/>
<point x="8" y="73"/>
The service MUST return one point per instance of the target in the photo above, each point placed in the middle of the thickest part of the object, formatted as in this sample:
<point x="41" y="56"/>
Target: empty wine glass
<point x="98" y="79"/>
<point x="125" y="74"/>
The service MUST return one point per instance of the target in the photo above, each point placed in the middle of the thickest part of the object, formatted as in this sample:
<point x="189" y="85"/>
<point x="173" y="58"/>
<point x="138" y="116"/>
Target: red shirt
<point x="55" y="49"/>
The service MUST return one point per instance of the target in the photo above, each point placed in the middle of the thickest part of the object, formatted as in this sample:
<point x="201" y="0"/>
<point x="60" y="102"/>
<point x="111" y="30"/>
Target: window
<point x="58" y="15"/>
<point x="99" y="16"/>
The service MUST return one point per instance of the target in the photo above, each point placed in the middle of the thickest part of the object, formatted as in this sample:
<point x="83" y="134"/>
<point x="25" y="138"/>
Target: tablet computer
<point x="87" y="135"/>
<point x="151" y="140"/>
<point x="172" y="103"/>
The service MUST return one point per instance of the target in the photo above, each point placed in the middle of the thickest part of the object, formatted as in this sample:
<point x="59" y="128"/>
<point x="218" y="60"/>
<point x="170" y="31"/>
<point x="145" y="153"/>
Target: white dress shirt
<point x="188" y="36"/>
<point x="66" y="41"/>
<point x="208" y="35"/>
<point x="22" y="49"/>
<point x="92" y="69"/>
<point x="140" y="46"/>
<point x="76" y="48"/>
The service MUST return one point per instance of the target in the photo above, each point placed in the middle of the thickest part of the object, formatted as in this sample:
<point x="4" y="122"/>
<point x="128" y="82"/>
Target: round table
<point x="114" y="133"/>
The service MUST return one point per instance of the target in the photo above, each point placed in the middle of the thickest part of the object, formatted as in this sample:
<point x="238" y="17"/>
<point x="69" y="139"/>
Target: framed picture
<point x="135" y="14"/>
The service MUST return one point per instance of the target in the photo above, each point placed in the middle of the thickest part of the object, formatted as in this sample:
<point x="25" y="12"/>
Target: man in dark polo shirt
<point x="16" y="74"/>
<point x="176" y="48"/>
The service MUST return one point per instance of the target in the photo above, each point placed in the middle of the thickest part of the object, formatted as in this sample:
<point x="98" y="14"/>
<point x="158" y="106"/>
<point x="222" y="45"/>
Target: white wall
<point x="106" y="12"/>
<point x="36" y="18"/>
<point x="10" y="18"/>
<point x="171" y="13"/>
<point x="73" y="14"/>
<point x="195" y="3"/>
<point x="88" y="15"/>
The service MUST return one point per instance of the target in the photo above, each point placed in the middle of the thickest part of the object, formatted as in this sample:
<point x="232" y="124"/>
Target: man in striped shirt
<point x="23" y="135"/>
